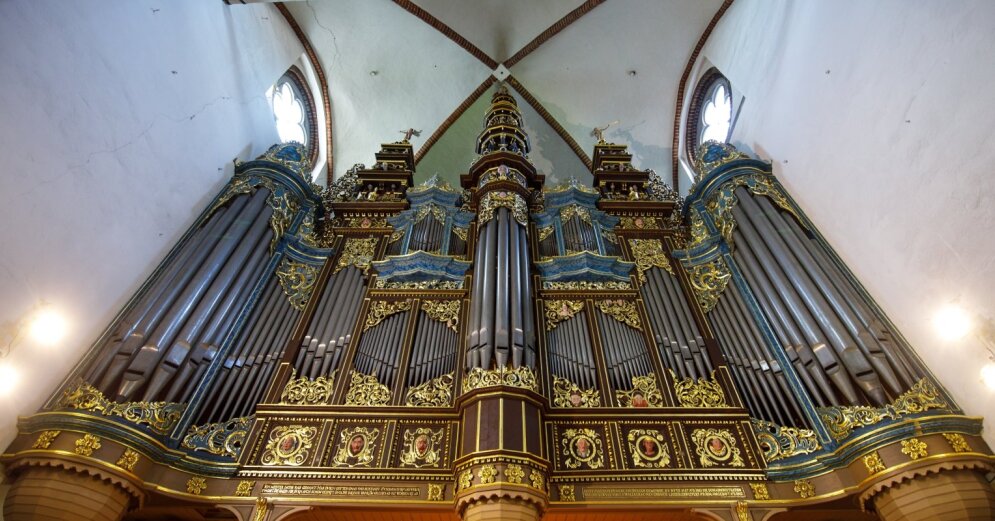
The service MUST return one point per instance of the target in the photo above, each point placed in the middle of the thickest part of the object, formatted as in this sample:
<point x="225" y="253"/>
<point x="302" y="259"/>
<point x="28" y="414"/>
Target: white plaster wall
<point x="118" y="122"/>
<point x="880" y="120"/>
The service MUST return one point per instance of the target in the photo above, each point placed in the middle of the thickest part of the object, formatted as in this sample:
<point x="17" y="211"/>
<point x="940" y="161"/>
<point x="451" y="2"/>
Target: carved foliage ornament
<point x="873" y="463"/>
<point x="841" y="421"/>
<point x="585" y="285"/>
<point x="160" y="417"/>
<point x="804" y="488"/>
<point x="196" y="485"/>
<point x="445" y="311"/>
<point x="700" y="392"/>
<point x="436" y="492"/>
<point x="297" y="280"/>
<point x="582" y="447"/>
<point x="437" y="392"/>
<point x="381" y="309"/>
<point x="760" y="492"/>
<point x="45" y="439"/>
<point x="358" y="253"/>
<point x="288" y="445"/>
<point x="914" y="448"/>
<point x="648" y="253"/>
<point x="356" y="447"/>
<point x="644" y="393"/>
<point x="497" y="199"/>
<point x="521" y="377"/>
<point x="709" y="280"/>
<point x="221" y="438"/>
<point x="957" y="442"/>
<point x="648" y="448"/>
<point x="425" y="284"/>
<point x="128" y="460"/>
<point x="780" y="442"/>
<point x="422" y="448"/>
<point x="244" y="488"/>
<point x="304" y="391"/>
<point x="568" y="394"/>
<point x="366" y="390"/>
<point x="622" y="310"/>
<point x="280" y="200"/>
<point x="86" y="445"/>
<point x="716" y="447"/>
<point x="561" y="310"/>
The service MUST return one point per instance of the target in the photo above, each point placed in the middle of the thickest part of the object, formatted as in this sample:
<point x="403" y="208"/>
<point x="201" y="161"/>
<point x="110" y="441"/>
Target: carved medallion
<point x="356" y="447"/>
<point x="648" y="448"/>
<point x="716" y="447"/>
<point x="288" y="445"/>
<point x="582" y="447"/>
<point x="422" y="448"/>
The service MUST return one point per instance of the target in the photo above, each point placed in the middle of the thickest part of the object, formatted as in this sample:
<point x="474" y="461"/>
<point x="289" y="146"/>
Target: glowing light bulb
<point x="47" y="327"/>
<point x="9" y="378"/>
<point x="952" y="323"/>
<point x="988" y="376"/>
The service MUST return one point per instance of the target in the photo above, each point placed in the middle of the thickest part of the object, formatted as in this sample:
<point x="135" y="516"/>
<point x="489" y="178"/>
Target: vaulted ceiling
<point x="573" y="64"/>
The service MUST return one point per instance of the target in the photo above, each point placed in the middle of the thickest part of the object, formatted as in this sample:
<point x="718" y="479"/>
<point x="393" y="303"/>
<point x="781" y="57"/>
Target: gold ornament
<point x="568" y="212"/>
<point x="708" y="281"/>
<point x="357" y="252"/>
<point x="196" y="485"/>
<point x="366" y="390"/>
<point x="288" y="445"/>
<point x="644" y="393"/>
<point x="699" y="393"/>
<point x="582" y="447"/>
<point x="128" y="460"/>
<point x="639" y="222"/>
<point x="86" y="445"/>
<point x="841" y="421"/>
<point x="622" y="310"/>
<point x="161" y="417"/>
<point x="221" y="438"/>
<point x="514" y="473"/>
<point x="421" y="448"/>
<point x="537" y="479"/>
<point x="914" y="448"/>
<point x="561" y="310"/>
<point x="585" y="285"/>
<point x="487" y="474"/>
<point x="567" y="493"/>
<point x="437" y="392"/>
<point x="648" y="448"/>
<point x="493" y="200"/>
<point x="425" y="284"/>
<point x="465" y="479"/>
<point x="356" y="447"/>
<point x="780" y="442"/>
<point x="957" y="442"/>
<point x="381" y="309"/>
<point x="568" y="394"/>
<point x="45" y="439"/>
<point x="304" y="391"/>
<point x="298" y="280"/>
<point x="244" y="488"/>
<point x="262" y="509"/>
<point x="648" y="253"/>
<point x="521" y="377"/>
<point x="716" y="447"/>
<point x="760" y="492"/>
<point x="742" y="511"/>
<point x="445" y="311"/>
<point x="545" y="232"/>
<point x="873" y="463"/>
<point x="804" y="488"/>
<point x="436" y="492"/>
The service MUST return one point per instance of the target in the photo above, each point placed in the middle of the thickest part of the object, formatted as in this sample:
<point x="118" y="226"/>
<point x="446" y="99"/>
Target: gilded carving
<point x="288" y="445"/>
<point x="298" y="280"/>
<point x="545" y="232"/>
<point x="873" y="463"/>
<point x="648" y="448"/>
<point x="585" y="285"/>
<point x="358" y="253"/>
<point x="244" y="488"/>
<point x="45" y="439"/>
<point x="700" y="392"/>
<point x="537" y="479"/>
<point x="128" y="460"/>
<point x="914" y="448"/>
<point x="425" y="284"/>
<point x="644" y="393"/>
<point x="381" y="309"/>
<point x="86" y="445"/>
<point x="221" y="438"/>
<point x="262" y="509"/>
<point x="760" y="492"/>
<point x="487" y="474"/>
<point x="582" y="447"/>
<point x="421" y="448"/>
<point x="841" y="421"/>
<point x="957" y="442"/>
<point x="436" y="492"/>
<point x="561" y="310"/>
<point x="161" y="417"/>
<point x="196" y="485"/>
<point x="437" y="392"/>
<point x="568" y="394"/>
<point x="639" y="222"/>
<point x="742" y="511"/>
<point x="465" y="479"/>
<point x="366" y="390"/>
<point x="514" y="473"/>
<point x="445" y="311"/>
<point x="709" y="280"/>
<point x="356" y="447"/>
<point x="491" y="201"/>
<point x="568" y="212"/>
<point x="648" y="253"/>
<point x="567" y="493"/>
<point x="716" y="447"/>
<point x="622" y="310"/>
<point x="780" y="442"/>
<point x="804" y="488"/>
<point x="521" y="377"/>
<point x="304" y="391"/>
<point x="460" y="232"/>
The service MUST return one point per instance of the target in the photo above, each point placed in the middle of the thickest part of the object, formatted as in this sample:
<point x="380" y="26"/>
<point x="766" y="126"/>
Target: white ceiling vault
<point x="391" y="65"/>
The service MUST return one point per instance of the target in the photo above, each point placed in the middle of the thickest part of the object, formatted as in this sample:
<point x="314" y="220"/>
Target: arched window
<point x="294" y="111"/>
<point x="710" y="113"/>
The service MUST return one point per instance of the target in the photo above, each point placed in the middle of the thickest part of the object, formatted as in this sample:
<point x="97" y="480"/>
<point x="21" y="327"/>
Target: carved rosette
<point x="366" y="390"/>
<point x="437" y="392"/>
<point x="298" y="280"/>
<point x="648" y="253"/>
<point x="445" y="311"/>
<point x="160" y="417"/>
<point x="780" y="442"/>
<point x="841" y="421"/>
<point x="568" y="394"/>
<point x="222" y="438"/>
<point x="700" y="392"/>
<point x="521" y="377"/>
<point x="561" y="310"/>
<point x="622" y="310"/>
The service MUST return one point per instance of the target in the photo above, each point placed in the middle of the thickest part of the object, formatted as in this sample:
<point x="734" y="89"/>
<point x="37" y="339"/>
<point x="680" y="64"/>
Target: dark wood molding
<point x="682" y="86"/>
<point x="479" y="91"/>
<point x="550" y="120"/>
<point x="560" y="25"/>
<point x="426" y="17"/>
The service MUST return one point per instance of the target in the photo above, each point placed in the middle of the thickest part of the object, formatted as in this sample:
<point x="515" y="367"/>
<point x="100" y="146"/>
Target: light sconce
<point x="43" y="324"/>
<point x="953" y="323"/>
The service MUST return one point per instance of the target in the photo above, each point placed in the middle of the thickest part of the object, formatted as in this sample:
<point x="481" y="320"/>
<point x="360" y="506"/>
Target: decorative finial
<point x="410" y="132"/>
<point x="599" y="132"/>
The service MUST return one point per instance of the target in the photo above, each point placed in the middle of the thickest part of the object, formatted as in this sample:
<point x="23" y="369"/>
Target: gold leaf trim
<point x="708" y="281"/>
<point x="45" y="439"/>
<point x="648" y="448"/>
<point x="161" y="417"/>
<point x="716" y="447"/>
<point x="356" y="447"/>
<point x="304" y="391"/>
<point x="422" y="448"/>
<point x="582" y="447"/>
<point x="128" y="460"/>
<point x="86" y="445"/>
<point x="841" y="421"/>
<point x="221" y="438"/>
<point x="779" y="442"/>
<point x="357" y="252"/>
<point x="298" y="280"/>
<point x="289" y="445"/>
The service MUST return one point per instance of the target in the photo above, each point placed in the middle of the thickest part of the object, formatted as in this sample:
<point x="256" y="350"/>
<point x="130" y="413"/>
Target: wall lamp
<point x="953" y="323"/>
<point x="42" y="324"/>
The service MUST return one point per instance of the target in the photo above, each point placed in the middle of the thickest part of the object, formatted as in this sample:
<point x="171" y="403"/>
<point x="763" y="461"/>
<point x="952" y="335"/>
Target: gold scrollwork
<point x="437" y="392"/>
<point x="568" y="394"/>
<point x="644" y="393"/>
<point x="161" y="417"/>
<point x="780" y="442"/>
<point x="45" y="439"/>
<point x="288" y="445"/>
<point x="244" y="488"/>
<point x="86" y="445"/>
<point x="585" y="285"/>
<point x="957" y="442"/>
<point x="914" y="448"/>
<point x="460" y="232"/>
<point x="622" y="310"/>
<point x="445" y="311"/>
<point x="560" y="310"/>
<point x="521" y="377"/>
<point x="514" y="473"/>
<point x="639" y="222"/>
<point x="582" y="447"/>
<point x="381" y="309"/>
<point x="760" y="492"/>
<point x="221" y="438"/>
<point x="425" y="284"/>
<point x="304" y="391"/>
<point x="841" y="421"/>
<point x="545" y="232"/>
<point x="356" y="447"/>
<point x="709" y="280"/>
<point x="421" y="448"/>
<point x="648" y="448"/>
<point x="262" y="509"/>
<point x="297" y="280"/>
<point x="648" y="253"/>
<point x="568" y="212"/>
<point x="196" y="485"/>
<point x="716" y="447"/>
<point x="700" y="392"/>
<point x="366" y="390"/>
<point x="804" y="488"/>
<point x="497" y="199"/>
<point x="128" y="460"/>
<point x="873" y="463"/>
<point x="357" y="252"/>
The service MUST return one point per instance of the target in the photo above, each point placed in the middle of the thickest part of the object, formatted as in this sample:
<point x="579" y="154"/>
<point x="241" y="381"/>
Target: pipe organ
<point x="502" y="349"/>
